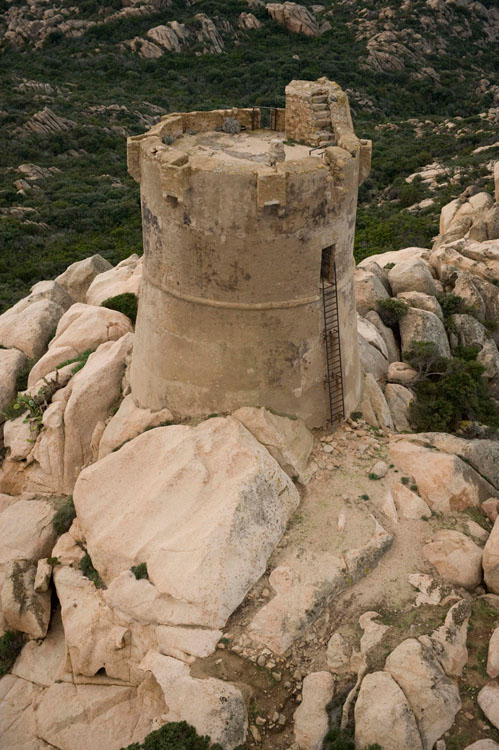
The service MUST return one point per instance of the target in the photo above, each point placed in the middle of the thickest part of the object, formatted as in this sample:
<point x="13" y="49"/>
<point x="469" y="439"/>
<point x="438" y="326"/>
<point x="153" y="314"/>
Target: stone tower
<point x="248" y="236"/>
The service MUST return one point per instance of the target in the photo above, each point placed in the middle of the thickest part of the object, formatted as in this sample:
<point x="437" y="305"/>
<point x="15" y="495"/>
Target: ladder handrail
<point x="334" y="368"/>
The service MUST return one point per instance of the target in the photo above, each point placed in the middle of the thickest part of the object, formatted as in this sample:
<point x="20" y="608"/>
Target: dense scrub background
<point x="92" y="205"/>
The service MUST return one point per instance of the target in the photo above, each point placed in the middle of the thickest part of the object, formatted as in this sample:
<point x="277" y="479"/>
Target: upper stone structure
<point x="247" y="230"/>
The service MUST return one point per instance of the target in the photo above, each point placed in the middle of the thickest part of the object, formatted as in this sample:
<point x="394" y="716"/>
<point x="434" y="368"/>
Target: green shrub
<point x="176" y="735"/>
<point x="64" y="517"/>
<point x="391" y="310"/>
<point x="125" y="303"/>
<point x="449" y="392"/>
<point x="139" y="571"/>
<point x="337" y="739"/>
<point x="88" y="570"/>
<point x="11" y="643"/>
<point x="451" y="304"/>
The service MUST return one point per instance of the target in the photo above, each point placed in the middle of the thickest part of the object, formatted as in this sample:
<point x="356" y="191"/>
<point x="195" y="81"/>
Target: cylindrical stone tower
<point x="241" y="251"/>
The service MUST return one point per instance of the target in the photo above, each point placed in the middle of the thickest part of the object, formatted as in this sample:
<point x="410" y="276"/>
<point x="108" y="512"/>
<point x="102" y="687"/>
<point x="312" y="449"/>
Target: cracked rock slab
<point x="432" y="696"/>
<point x="304" y="584"/>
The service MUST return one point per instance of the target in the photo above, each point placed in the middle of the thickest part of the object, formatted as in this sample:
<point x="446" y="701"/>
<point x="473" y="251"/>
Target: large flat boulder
<point x="203" y="506"/>
<point x="483" y="455"/>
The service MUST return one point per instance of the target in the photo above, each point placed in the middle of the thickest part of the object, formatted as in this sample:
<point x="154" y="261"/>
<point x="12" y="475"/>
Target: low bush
<point x="124" y="303"/>
<point x="452" y="304"/>
<point x="64" y="517"/>
<point x="391" y="310"/>
<point x="139" y="571"/>
<point x="450" y="390"/>
<point x="88" y="570"/>
<point x="338" y="739"/>
<point x="11" y="643"/>
<point x="176" y="735"/>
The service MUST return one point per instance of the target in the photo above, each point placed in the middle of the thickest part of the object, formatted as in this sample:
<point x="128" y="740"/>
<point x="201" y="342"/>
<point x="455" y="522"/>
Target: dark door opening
<point x="327" y="264"/>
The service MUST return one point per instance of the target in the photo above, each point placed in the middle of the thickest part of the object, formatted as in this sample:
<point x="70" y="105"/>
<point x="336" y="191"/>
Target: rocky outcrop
<point x="30" y="323"/>
<point x="77" y="277"/>
<point x="23" y="608"/>
<point x="81" y="328"/>
<point x="47" y="122"/>
<point x="72" y="423"/>
<point x="294" y="17"/>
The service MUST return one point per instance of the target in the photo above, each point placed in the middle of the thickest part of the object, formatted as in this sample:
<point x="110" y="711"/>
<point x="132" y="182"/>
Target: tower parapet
<point x="238" y="244"/>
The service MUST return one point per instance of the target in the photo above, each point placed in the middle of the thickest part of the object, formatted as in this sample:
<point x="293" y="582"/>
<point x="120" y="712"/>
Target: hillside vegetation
<point x="79" y="77"/>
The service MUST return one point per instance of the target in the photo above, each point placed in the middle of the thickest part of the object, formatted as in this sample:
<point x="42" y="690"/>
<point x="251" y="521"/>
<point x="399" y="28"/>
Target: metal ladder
<point x="333" y="349"/>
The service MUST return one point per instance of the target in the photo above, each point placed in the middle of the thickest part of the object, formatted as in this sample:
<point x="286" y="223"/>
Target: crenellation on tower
<point x="232" y="305"/>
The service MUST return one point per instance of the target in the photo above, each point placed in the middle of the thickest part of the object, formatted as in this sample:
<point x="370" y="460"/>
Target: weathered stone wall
<point x="315" y="111"/>
<point x="231" y="309"/>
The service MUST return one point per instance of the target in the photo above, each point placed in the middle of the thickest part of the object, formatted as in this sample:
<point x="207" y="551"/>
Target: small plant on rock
<point x="11" y="643"/>
<point x="126" y="303"/>
<point x="88" y="570"/>
<point x="80" y="361"/>
<point x="66" y="513"/>
<point x="140" y="571"/>
<point x="391" y="310"/>
<point x="35" y="407"/>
